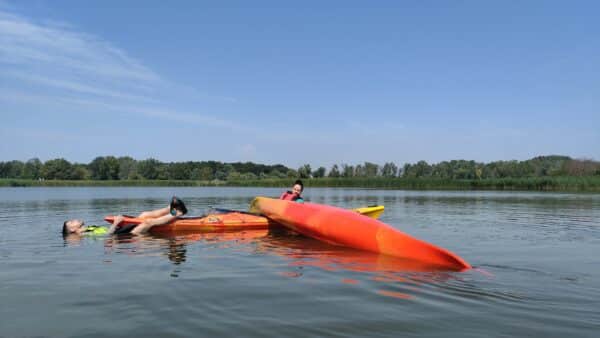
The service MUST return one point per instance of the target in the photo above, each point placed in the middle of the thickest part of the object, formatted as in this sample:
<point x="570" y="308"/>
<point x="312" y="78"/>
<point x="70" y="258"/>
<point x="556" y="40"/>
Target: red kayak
<point x="346" y="228"/>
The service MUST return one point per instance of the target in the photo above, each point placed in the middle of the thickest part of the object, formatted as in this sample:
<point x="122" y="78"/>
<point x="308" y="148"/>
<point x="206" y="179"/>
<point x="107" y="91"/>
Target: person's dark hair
<point x="64" y="230"/>
<point x="299" y="182"/>
<point x="177" y="204"/>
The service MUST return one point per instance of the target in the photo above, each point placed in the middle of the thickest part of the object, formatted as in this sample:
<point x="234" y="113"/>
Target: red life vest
<point x="289" y="196"/>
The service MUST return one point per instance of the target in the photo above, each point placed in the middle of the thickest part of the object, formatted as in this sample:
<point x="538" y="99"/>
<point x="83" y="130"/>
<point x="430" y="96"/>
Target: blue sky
<point x="318" y="82"/>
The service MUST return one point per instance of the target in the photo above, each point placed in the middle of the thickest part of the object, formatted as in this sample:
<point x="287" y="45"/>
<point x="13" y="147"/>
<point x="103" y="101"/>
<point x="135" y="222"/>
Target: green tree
<point x="127" y="168"/>
<point x="419" y="169"/>
<point x="162" y="172"/>
<point x="335" y="171"/>
<point x="206" y="173"/>
<point x="233" y="176"/>
<point x="478" y="172"/>
<point x="104" y="168"/>
<point x="79" y="172"/>
<point x="12" y="169"/>
<point x="304" y="171"/>
<point x="407" y="171"/>
<point x="441" y="170"/>
<point x="277" y="174"/>
<point x="179" y="170"/>
<point x="422" y="169"/>
<point x="583" y="167"/>
<point x="370" y="169"/>
<point x="221" y="175"/>
<point x="462" y="169"/>
<point x="320" y="172"/>
<point x="227" y="168"/>
<point x="196" y="174"/>
<point x="248" y="176"/>
<point x="148" y="168"/>
<point x="389" y="169"/>
<point x="32" y="169"/>
<point x="57" y="169"/>
<point x="347" y="170"/>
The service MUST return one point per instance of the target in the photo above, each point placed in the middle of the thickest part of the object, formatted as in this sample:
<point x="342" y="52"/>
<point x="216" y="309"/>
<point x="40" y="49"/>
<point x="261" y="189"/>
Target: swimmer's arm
<point x="114" y="224"/>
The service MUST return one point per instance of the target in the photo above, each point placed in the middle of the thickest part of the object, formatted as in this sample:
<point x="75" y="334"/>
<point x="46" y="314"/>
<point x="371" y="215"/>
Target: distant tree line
<point x="540" y="166"/>
<point x="127" y="168"/>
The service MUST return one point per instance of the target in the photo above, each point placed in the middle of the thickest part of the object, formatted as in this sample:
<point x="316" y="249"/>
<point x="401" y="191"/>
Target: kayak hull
<point x="346" y="228"/>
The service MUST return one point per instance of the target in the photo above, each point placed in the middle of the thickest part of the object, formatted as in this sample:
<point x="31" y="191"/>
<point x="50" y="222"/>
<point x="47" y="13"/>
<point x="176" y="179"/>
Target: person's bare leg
<point x="155" y="213"/>
<point x="149" y="223"/>
<point x="118" y="219"/>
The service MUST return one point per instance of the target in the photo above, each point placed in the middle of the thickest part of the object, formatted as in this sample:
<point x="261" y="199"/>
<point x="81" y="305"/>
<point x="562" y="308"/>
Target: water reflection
<point x="299" y="253"/>
<point x="364" y="267"/>
<point x="173" y="245"/>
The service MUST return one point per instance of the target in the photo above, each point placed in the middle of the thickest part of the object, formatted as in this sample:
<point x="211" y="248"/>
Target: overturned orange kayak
<point x="227" y="220"/>
<point x="346" y="228"/>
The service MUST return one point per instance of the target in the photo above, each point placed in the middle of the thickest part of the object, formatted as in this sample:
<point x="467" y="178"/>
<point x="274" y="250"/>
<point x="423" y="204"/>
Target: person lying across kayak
<point x="295" y="194"/>
<point x="151" y="218"/>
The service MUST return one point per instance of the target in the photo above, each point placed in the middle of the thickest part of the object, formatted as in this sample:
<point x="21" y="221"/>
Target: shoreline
<point x="559" y="183"/>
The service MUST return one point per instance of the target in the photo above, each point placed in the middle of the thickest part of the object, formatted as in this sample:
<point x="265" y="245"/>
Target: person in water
<point x="151" y="218"/>
<point x="295" y="194"/>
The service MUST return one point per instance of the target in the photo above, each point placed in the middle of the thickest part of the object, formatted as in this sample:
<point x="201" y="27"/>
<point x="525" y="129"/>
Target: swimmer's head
<point x="73" y="226"/>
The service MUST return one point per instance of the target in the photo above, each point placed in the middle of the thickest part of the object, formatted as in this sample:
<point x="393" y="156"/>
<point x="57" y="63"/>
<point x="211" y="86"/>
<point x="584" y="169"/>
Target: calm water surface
<point x="536" y="257"/>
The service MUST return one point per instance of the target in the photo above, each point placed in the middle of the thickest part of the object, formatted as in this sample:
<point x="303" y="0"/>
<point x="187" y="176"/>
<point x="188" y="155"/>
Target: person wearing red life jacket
<point x="295" y="194"/>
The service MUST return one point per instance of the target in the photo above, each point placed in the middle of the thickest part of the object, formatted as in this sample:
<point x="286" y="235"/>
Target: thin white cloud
<point x="74" y="86"/>
<point x="54" y="63"/>
<point x="25" y="43"/>
<point x="162" y="113"/>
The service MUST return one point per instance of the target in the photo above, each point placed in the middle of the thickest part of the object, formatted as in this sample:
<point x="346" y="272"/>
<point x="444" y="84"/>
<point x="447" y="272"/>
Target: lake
<point x="536" y="259"/>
